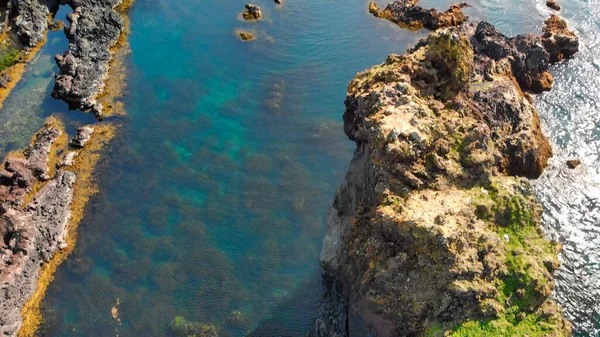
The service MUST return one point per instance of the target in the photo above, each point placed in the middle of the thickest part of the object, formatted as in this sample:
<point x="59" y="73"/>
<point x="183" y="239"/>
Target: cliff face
<point x="435" y="231"/>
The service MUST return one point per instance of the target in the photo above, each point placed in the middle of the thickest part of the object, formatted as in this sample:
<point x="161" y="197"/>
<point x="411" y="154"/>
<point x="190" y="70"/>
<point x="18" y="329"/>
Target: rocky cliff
<point x="436" y="230"/>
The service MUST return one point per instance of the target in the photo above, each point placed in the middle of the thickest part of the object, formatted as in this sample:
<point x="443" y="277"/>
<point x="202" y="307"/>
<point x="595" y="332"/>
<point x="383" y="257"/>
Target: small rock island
<point x="436" y="229"/>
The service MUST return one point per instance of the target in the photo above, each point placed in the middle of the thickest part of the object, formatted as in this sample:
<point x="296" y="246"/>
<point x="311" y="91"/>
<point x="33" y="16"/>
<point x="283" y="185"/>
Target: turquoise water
<point x="212" y="199"/>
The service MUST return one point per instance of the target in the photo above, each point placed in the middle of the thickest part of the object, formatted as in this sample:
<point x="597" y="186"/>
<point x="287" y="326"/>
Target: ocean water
<point x="213" y="196"/>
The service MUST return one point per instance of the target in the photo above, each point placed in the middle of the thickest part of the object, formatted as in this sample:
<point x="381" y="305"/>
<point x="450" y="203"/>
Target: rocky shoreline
<point x="435" y="230"/>
<point x="44" y="189"/>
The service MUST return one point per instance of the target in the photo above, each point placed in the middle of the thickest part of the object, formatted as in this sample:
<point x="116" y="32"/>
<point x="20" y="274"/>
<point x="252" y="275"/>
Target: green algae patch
<point x="183" y="328"/>
<point x="8" y="58"/>
<point x="15" y="62"/>
<point x="512" y="211"/>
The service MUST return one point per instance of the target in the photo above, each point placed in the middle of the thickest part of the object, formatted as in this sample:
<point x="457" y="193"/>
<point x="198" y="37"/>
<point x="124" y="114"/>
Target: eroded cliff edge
<point x="436" y="230"/>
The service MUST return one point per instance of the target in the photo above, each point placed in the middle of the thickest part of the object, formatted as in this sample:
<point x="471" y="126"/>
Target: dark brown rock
<point x="553" y="4"/>
<point x="560" y="42"/>
<point x="573" y="163"/>
<point x="252" y="12"/>
<point x="407" y="13"/>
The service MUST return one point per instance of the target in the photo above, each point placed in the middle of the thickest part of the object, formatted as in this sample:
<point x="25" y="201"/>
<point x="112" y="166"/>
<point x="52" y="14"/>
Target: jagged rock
<point x="94" y="27"/>
<point x="38" y="153"/>
<point x="558" y="40"/>
<point x="573" y="163"/>
<point x="20" y="174"/>
<point x="29" y="19"/>
<point x="252" y="12"/>
<point x="31" y="236"/>
<point x="83" y="136"/>
<point x="416" y="234"/>
<point x="408" y="13"/>
<point x="553" y="4"/>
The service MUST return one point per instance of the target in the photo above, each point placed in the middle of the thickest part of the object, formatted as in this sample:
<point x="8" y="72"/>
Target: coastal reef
<point x="408" y="14"/>
<point x="31" y="230"/>
<point x="436" y="229"/>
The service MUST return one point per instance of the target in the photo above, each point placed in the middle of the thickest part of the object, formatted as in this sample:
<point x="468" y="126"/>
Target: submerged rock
<point x="246" y="36"/>
<point x="409" y="14"/>
<point x="433" y="231"/>
<point x="252" y="12"/>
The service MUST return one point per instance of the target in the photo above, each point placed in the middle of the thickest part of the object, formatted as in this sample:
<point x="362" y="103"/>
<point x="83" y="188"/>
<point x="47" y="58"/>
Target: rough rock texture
<point x="558" y="40"/>
<point x="252" y="12"/>
<point x="553" y="4"/>
<point x="20" y="174"/>
<point x="30" y="237"/>
<point x="29" y="19"/>
<point x="83" y="136"/>
<point x="434" y="231"/>
<point x="408" y="13"/>
<point x="94" y="27"/>
<point x="529" y="55"/>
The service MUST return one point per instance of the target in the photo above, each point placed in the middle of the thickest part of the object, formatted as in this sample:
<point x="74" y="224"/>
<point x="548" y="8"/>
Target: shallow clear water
<point x="213" y="197"/>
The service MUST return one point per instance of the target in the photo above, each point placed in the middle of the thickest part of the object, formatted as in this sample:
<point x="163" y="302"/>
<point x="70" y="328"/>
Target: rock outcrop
<point x="29" y="19"/>
<point x="94" y="27"/>
<point x="252" y="12"/>
<point x="30" y="232"/>
<point x="20" y="174"/>
<point x="559" y="41"/>
<point x="30" y="237"/>
<point x="408" y="14"/>
<point x="435" y="231"/>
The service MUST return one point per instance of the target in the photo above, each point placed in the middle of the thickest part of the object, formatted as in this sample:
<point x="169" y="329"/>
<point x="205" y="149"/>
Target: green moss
<point x="452" y="56"/>
<point x="531" y="326"/>
<point x="8" y="58"/>
<point x="525" y="284"/>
